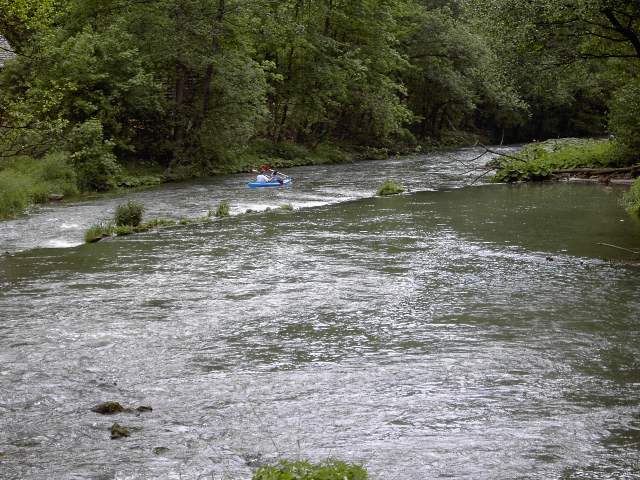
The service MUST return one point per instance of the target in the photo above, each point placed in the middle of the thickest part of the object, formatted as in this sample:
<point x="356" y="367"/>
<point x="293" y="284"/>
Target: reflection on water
<point x="463" y="333"/>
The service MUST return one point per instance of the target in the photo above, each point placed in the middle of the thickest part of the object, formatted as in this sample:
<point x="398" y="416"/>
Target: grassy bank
<point x="25" y="181"/>
<point x="539" y="161"/>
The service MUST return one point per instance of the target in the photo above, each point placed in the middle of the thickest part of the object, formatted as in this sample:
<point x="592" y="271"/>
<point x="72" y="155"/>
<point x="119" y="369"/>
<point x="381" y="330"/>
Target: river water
<point x="451" y="332"/>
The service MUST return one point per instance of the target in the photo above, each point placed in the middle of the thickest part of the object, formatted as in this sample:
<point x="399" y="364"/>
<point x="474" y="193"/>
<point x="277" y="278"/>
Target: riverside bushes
<point x="302" y="470"/>
<point x="538" y="161"/>
<point x="631" y="199"/>
<point x="25" y="180"/>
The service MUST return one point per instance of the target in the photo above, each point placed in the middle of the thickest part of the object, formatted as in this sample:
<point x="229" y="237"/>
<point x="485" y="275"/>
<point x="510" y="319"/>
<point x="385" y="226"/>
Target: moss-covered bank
<point x="554" y="159"/>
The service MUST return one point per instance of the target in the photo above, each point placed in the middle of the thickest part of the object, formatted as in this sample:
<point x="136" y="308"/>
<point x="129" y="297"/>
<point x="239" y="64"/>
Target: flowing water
<point x="477" y="332"/>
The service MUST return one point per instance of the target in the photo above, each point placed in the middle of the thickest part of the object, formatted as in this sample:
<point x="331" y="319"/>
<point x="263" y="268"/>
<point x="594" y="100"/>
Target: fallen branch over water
<point x="636" y="252"/>
<point x="598" y="171"/>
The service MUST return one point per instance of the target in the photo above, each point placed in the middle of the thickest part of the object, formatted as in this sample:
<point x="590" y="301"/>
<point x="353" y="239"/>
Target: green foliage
<point x="93" y="157"/>
<point x="390" y="187"/>
<point x="99" y="231"/>
<point x="538" y="161"/>
<point x="624" y="115"/>
<point x="302" y="470"/>
<point x="158" y="223"/>
<point x="108" y="228"/>
<point x="14" y="193"/>
<point x="631" y="199"/>
<point x="223" y="209"/>
<point x="129" y="214"/>
<point x="25" y="180"/>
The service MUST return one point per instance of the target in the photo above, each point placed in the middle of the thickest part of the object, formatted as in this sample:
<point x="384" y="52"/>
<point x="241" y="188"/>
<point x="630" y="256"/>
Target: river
<point x="454" y="331"/>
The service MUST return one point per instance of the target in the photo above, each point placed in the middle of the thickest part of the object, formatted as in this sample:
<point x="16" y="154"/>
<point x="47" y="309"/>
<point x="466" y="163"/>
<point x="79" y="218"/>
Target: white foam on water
<point x="61" y="243"/>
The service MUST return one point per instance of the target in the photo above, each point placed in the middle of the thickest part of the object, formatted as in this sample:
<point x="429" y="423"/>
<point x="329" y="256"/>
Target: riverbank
<point x="25" y="181"/>
<point x="599" y="161"/>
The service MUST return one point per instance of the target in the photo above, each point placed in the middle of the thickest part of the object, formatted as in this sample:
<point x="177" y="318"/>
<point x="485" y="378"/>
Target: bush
<point x="306" y="471"/>
<point x="56" y="170"/>
<point x="390" y="187"/>
<point x="129" y="214"/>
<point x="223" y="209"/>
<point x="624" y="113"/>
<point x="538" y="161"/>
<point x="631" y="199"/>
<point x="93" y="157"/>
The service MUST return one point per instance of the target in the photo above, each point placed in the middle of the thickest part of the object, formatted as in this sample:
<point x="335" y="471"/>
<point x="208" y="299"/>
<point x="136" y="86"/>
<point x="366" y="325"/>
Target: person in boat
<point x="277" y="176"/>
<point x="263" y="176"/>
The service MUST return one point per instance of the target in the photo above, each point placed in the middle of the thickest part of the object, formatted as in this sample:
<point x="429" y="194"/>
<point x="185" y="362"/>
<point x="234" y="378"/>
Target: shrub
<point x="223" y="209"/>
<point x="129" y="214"/>
<point x="93" y="157"/>
<point x="538" y="161"/>
<point x="390" y="187"/>
<point x="306" y="471"/>
<point x="55" y="169"/>
<point x="631" y="199"/>
<point x="624" y="113"/>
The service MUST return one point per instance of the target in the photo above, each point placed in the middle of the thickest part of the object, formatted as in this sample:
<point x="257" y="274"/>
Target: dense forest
<point x="201" y="85"/>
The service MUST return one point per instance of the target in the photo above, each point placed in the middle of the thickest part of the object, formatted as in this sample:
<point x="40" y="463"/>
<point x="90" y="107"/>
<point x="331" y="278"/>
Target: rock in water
<point x="108" y="408"/>
<point x="118" y="431"/>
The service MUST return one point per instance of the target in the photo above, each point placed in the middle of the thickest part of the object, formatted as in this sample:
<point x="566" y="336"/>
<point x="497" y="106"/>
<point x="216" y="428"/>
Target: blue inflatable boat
<point x="285" y="182"/>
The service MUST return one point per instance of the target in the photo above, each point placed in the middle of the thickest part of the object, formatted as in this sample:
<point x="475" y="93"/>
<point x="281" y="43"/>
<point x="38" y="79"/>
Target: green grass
<point x="390" y="187"/>
<point x="105" y="229"/>
<point x="302" y="470"/>
<point x="25" y="181"/>
<point x="223" y="209"/>
<point x="631" y="199"/>
<point x="538" y="161"/>
<point x="99" y="231"/>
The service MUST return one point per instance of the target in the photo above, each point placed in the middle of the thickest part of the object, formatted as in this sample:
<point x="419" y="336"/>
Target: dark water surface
<point x="475" y="333"/>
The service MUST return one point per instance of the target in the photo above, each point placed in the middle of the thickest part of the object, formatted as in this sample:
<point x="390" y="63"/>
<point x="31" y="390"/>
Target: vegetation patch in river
<point x="223" y="209"/>
<point x="118" y="431"/>
<point x="129" y="214"/>
<point x="302" y="470"/>
<point x="390" y="187"/>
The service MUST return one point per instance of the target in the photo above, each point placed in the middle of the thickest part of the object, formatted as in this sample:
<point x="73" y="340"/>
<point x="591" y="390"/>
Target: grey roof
<point x="5" y="51"/>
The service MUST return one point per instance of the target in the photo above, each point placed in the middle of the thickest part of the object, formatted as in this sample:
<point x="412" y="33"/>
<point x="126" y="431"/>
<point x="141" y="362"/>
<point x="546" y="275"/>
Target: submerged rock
<point x="160" y="450"/>
<point x="144" y="408"/>
<point x="118" y="431"/>
<point x="108" y="408"/>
